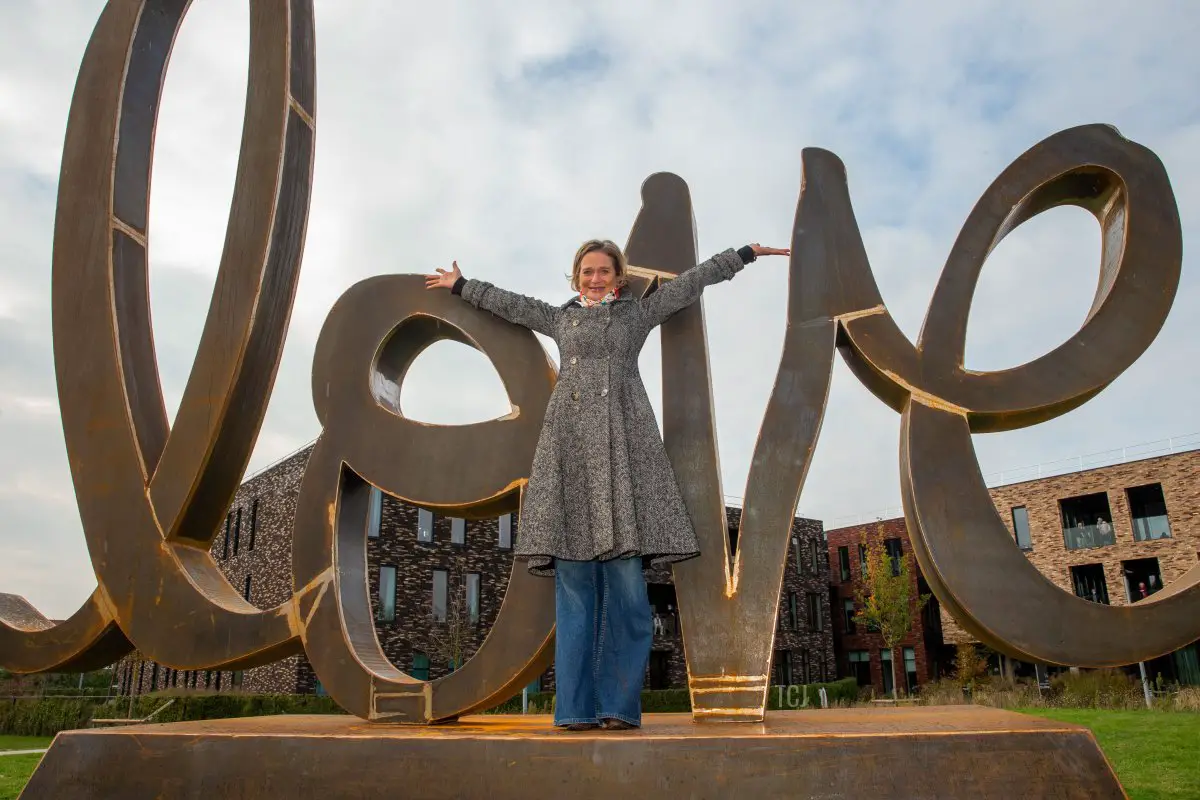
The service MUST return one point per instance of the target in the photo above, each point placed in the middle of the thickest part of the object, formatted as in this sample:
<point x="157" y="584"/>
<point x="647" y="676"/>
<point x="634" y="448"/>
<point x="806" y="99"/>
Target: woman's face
<point x="597" y="275"/>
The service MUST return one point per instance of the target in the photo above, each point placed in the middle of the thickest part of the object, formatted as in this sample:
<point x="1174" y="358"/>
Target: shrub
<point x="678" y="701"/>
<point x="1100" y="688"/>
<point x="45" y="716"/>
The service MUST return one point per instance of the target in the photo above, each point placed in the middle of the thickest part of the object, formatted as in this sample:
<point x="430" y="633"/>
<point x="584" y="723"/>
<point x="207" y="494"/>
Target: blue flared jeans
<point x="603" y="636"/>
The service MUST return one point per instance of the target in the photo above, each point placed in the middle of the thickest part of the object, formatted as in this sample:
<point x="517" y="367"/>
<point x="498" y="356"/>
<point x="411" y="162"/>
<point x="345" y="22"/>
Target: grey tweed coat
<point x="601" y="485"/>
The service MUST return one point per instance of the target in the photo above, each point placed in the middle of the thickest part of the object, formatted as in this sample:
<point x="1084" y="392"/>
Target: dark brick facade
<point x="925" y="638"/>
<point x="256" y="552"/>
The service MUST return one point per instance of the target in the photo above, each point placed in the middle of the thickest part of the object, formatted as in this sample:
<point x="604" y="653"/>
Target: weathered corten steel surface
<point x="728" y="602"/>
<point x="378" y="328"/>
<point x="152" y="494"/>
<point x="948" y="752"/>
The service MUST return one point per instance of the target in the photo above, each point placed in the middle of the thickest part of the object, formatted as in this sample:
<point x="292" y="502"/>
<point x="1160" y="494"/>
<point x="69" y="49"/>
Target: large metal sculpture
<point x="152" y="496"/>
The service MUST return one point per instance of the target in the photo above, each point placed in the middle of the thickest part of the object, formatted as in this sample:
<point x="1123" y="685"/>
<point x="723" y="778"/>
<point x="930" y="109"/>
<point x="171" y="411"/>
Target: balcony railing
<point x="1082" y="537"/>
<point x="1147" y="528"/>
<point x="665" y="625"/>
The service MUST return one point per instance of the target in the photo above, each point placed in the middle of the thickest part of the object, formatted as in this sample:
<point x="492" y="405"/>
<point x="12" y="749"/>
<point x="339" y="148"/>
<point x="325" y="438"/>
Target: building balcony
<point x="1083" y="537"/>
<point x="1148" y="528"/>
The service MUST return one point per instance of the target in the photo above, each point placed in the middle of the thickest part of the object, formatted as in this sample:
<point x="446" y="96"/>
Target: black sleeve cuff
<point x="747" y="254"/>
<point x="458" y="285"/>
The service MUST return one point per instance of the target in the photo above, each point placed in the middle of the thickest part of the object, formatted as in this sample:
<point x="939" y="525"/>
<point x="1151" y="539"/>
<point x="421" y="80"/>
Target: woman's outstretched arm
<point x="518" y="309"/>
<point x="681" y="292"/>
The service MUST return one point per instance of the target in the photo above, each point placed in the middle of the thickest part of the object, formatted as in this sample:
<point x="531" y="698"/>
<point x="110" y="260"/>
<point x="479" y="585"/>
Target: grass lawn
<point x="1156" y="755"/>
<point x="15" y="772"/>
<point x="25" y="742"/>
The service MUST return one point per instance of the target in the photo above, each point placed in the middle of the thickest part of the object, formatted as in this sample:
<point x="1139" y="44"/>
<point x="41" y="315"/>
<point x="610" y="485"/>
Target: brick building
<point x="1112" y="535"/>
<point x="437" y="578"/>
<point x="1106" y="534"/>
<point x="921" y="656"/>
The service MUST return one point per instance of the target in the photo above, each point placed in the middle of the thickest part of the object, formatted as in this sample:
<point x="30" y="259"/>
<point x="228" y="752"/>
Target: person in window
<point x="1104" y="529"/>
<point x="602" y="495"/>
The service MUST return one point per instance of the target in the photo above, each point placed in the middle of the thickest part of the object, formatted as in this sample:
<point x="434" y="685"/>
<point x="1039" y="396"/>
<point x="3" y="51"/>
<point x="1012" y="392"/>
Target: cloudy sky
<point x="501" y="135"/>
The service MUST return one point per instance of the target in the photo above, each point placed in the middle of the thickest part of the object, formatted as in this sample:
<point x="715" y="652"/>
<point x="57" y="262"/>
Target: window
<point x="860" y="666"/>
<point x="473" y="597"/>
<point x="387" y="594"/>
<point x="228" y="529"/>
<point x="440" y="589"/>
<point x="374" y="513"/>
<point x="1142" y="578"/>
<point x="895" y="552"/>
<point x="458" y="531"/>
<point x="862" y="560"/>
<point x="793" y="611"/>
<point x="885" y="666"/>
<point x="1148" y="508"/>
<point x="783" y="667"/>
<point x="844" y="563"/>
<point x="506" y="532"/>
<point x="814" y="611"/>
<point x="217" y="683"/>
<point x="253" y="522"/>
<point x="796" y="552"/>
<point x="420" y="666"/>
<point x="1020" y="518"/>
<point x="848" y="611"/>
<point x="1089" y="583"/>
<point x="733" y="540"/>
<point x="910" y="670"/>
<point x="1086" y="521"/>
<point x="246" y="588"/>
<point x="237" y="531"/>
<point x="424" y="525"/>
<point x="814" y="549"/>
<point x="659" y="669"/>
<point x="235" y="680"/>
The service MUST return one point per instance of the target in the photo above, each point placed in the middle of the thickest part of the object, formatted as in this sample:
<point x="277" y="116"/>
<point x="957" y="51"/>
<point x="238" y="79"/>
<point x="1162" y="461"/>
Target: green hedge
<point x="678" y="701"/>
<point x="46" y="716"/>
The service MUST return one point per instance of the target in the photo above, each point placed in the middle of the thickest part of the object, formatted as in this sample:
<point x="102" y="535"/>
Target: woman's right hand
<point x="445" y="279"/>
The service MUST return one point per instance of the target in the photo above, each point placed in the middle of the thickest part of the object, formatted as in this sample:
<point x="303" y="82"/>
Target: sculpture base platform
<point x="929" y="752"/>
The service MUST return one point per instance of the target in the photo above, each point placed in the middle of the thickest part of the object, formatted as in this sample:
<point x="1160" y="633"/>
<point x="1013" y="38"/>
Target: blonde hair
<point x="603" y="246"/>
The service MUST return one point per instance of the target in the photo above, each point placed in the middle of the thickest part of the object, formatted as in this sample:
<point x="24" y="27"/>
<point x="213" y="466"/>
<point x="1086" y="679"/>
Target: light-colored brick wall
<point x="1179" y="476"/>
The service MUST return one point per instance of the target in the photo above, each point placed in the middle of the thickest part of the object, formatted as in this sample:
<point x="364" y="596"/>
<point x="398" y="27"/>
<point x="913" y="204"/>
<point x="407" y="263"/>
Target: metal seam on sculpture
<point x="726" y="678"/>
<point x="647" y="272"/>
<point x="728" y="712"/>
<point x="106" y="602"/>
<point x="865" y="312"/>
<point x="133" y="233"/>
<point x="925" y="398"/>
<point x="719" y="689"/>
<point x="321" y="583"/>
<point x="300" y="112"/>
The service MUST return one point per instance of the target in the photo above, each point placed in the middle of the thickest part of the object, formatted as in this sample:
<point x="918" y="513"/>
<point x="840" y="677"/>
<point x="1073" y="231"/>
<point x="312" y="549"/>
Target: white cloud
<point x="502" y="136"/>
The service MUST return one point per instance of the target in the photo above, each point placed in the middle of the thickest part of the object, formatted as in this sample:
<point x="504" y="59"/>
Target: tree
<point x="885" y="598"/>
<point x="969" y="666"/>
<point x="450" y="638"/>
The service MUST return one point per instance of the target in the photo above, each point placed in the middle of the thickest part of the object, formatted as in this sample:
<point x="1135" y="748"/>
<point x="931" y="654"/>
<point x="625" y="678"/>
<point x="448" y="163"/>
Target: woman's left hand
<point x="759" y="250"/>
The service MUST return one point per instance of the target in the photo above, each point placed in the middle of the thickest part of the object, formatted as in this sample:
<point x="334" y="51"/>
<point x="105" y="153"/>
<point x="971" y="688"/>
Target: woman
<point x="602" y="495"/>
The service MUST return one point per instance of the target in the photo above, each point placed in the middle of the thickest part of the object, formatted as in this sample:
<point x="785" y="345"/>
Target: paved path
<point x="21" y="752"/>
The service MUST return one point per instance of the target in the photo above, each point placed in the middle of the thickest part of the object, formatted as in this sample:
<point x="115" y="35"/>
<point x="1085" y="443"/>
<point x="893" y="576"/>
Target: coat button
<point x="575" y="395"/>
<point x="574" y="360"/>
<point x="574" y="323"/>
